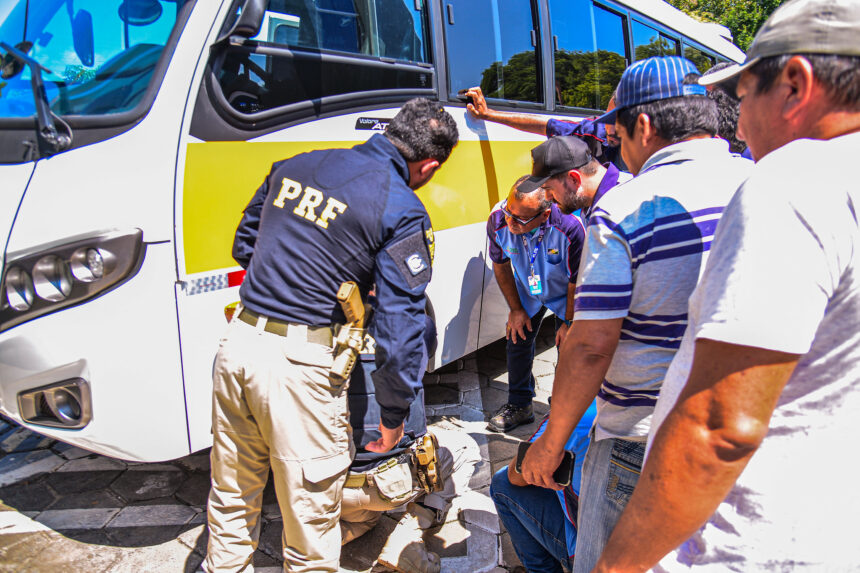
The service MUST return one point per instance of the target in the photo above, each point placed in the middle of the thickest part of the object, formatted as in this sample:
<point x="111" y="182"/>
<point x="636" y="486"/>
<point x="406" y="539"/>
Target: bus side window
<point x="703" y="60"/>
<point x="649" y="42"/>
<point x="494" y="44"/>
<point x="590" y="53"/>
<point x="319" y="48"/>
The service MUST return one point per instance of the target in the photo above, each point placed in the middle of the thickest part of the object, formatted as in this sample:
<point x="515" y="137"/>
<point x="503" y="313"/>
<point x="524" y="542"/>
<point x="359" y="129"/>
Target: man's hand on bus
<point x="540" y="463"/>
<point x="390" y="438"/>
<point x="518" y="322"/>
<point x="479" y="108"/>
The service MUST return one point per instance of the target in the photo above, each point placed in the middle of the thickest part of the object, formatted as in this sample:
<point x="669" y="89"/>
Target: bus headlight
<point x="67" y="272"/>
<point x="19" y="289"/>
<point x="88" y="264"/>
<point x="52" y="279"/>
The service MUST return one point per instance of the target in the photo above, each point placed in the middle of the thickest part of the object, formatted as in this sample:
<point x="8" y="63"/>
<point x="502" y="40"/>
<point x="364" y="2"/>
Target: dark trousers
<point x="521" y="357"/>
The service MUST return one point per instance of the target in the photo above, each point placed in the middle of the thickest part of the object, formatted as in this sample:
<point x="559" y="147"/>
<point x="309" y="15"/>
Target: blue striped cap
<point x="651" y="80"/>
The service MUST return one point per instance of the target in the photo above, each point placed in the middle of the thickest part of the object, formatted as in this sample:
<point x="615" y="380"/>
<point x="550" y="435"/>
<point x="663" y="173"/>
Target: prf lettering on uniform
<point x="311" y="199"/>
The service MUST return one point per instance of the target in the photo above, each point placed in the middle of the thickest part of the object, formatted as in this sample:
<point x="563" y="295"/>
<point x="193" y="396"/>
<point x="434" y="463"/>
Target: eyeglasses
<point x="515" y="218"/>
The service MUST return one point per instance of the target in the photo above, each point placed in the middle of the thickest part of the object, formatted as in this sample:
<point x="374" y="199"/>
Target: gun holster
<point x="426" y="468"/>
<point x="347" y="345"/>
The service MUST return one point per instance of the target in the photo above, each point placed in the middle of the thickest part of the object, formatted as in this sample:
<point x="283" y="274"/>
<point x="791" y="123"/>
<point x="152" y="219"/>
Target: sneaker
<point x="509" y="417"/>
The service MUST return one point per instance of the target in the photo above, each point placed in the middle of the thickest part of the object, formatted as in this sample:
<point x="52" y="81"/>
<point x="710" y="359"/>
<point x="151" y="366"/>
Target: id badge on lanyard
<point x="535" y="286"/>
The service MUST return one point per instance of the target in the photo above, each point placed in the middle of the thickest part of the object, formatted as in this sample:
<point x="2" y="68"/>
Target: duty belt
<point x="316" y="334"/>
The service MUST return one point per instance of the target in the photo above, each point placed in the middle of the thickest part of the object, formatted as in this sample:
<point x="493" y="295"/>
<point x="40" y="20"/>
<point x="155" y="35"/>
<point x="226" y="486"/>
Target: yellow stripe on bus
<point x="221" y="178"/>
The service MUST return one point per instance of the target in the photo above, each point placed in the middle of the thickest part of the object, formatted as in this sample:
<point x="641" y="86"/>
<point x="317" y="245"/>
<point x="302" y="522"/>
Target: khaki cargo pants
<point x="274" y="406"/>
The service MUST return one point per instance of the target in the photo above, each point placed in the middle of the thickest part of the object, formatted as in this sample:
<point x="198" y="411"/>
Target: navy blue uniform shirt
<point x="329" y="216"/>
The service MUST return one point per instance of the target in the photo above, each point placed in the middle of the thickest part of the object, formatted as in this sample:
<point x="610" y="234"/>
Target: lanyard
<point x="535" y="252"/>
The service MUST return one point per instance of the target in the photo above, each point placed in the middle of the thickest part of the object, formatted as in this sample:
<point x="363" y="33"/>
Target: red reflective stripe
<point x="235" y="278"/>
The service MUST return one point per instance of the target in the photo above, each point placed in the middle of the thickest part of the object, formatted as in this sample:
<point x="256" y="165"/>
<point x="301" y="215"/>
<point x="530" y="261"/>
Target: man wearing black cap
<point x="748" y="467"/>
<point x="646" y="242"/>
<point x="570" y="176"/>
<point x="535" y="250"/>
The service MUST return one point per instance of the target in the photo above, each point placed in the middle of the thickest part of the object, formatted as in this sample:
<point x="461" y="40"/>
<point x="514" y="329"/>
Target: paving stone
<point x="77" y="482"/>
<point x="478" y="509"/>
<point x="359" y="554"/>
<point x="441" y="395"/>
<point x="462" y="549"/>
<point x="450" y="540"/>
<point x="145" y="515"/>
<point x="499" y="382"/>
<point x="431" y="379"/>
<point x="92" y="463"/>
<point x="88" y="536"/>
<point x="199" y="462"/>
<point x="20" y="466"/>
<point x="143" y="485"/>
<point x="143" y="536"/>
<point x="194" y="490"/>
<point x="148" y="467"/>
<point x="473" y="399"/>
<point x="199" y="517"/>
<point x="32" y="495"/>
<point x="94" y="518"/>
<point x="45" y="552"/>
<point x="101" y="498"/>
<point x="509" y="557"/>
<point x="482" y="475"/>
<point x="271" y="511"/>
<point x="270" y="538"/>
<point x="24" y="440"/>
<point x="493" y="399"/>
<point x="502" y="446"/>
<point x="69" y="451"/>
<point x="168" y="556"/>
<point x="543" y="368"/>
<point x="195" y="538"/>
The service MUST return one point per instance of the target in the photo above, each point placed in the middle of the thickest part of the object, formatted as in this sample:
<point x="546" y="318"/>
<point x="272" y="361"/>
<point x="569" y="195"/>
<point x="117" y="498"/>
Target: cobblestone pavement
<point x="65" y="509"/>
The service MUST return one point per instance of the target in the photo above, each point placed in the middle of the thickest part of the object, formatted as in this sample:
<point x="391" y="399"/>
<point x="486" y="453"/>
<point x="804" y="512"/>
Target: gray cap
<point x="801" y="27"/>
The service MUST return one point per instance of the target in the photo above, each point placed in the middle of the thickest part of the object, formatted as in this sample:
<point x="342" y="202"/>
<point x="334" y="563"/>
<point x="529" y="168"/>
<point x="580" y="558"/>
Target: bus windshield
<point x="98" y="56"/>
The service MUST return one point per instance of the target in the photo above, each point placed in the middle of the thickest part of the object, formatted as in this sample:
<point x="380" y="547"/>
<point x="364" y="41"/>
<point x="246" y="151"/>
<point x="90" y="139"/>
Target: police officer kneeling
<point x="416" y="473"/>
<point x="318" y="220"/>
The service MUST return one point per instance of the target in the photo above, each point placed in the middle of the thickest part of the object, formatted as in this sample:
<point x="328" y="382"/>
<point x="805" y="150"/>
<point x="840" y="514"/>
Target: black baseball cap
<point x="555" y="155"/>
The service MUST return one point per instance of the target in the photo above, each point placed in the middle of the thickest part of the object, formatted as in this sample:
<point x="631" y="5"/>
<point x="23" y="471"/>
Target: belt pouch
<point x="393" y="480"/>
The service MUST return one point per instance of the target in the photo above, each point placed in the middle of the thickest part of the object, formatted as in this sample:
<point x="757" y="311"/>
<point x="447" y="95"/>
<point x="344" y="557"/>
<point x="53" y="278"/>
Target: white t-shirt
<point x="784" y="275"/>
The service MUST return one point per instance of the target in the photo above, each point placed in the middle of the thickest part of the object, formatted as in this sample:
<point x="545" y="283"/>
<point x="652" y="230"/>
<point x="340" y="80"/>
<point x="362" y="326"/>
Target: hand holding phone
<point x="562" y="475"/>
<point x="464" y="97"/>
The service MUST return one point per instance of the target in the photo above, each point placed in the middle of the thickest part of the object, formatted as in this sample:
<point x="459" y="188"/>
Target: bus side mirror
<point x="248" y="22"/>
<point x="82" y="37"/>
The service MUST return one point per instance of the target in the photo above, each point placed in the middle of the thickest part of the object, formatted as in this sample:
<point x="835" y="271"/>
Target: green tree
<point x="516" y="80"/>
<point x="742" y="17"/>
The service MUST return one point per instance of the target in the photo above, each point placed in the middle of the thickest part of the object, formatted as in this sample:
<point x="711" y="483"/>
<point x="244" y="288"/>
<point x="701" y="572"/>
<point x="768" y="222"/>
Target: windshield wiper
<point x="53" y="140"/>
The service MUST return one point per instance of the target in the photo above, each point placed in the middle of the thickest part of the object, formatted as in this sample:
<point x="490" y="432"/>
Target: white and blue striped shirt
<point x="646" y="245"/>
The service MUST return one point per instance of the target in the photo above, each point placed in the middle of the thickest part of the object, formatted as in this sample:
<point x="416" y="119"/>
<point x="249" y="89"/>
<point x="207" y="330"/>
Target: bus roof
<point x="709" y="34"/>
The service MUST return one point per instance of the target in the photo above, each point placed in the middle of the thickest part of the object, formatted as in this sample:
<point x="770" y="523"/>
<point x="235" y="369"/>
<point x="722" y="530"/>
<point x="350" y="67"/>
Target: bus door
<point x="495" y="44"/>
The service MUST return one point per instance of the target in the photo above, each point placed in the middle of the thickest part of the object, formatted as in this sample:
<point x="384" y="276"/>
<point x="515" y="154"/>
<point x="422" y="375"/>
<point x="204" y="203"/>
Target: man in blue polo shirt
<point x="535" y="249"/>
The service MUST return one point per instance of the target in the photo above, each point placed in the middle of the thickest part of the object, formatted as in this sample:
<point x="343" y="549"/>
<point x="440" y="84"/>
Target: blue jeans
<point x="521" y="357"/>
<point x="609" y="474"/>
<point x="534" y="520"/>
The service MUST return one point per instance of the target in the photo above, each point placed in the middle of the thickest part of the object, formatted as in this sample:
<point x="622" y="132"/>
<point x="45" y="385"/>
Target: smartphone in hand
<point x="562" y="475"/>
<point x="463" y="97"/>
